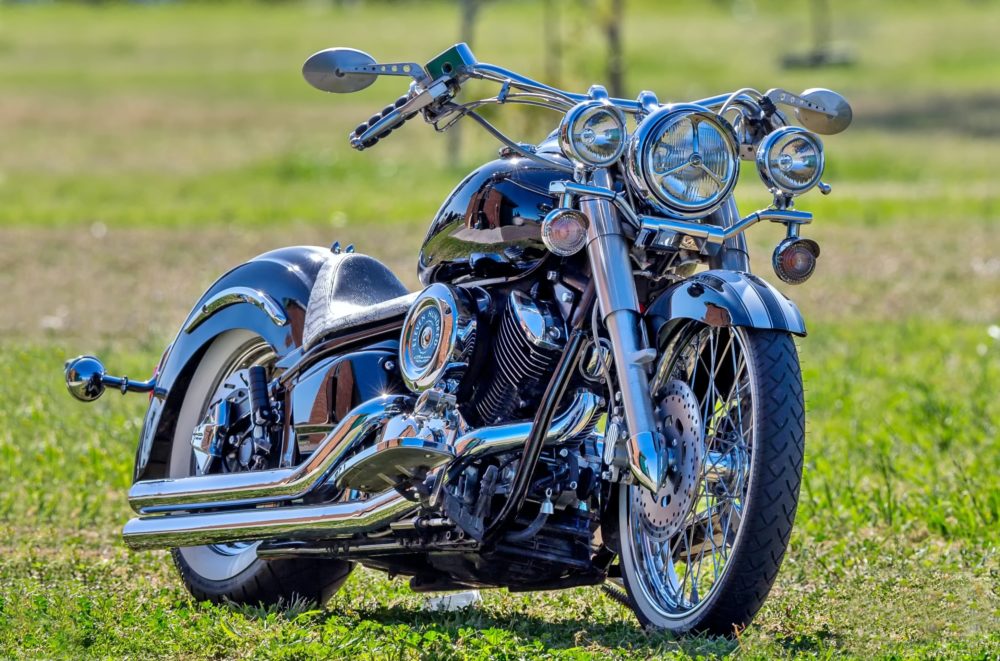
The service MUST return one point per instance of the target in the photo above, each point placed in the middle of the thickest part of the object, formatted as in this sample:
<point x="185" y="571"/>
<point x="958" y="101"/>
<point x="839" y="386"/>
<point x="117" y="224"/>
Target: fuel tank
<point x="490" y="225"/>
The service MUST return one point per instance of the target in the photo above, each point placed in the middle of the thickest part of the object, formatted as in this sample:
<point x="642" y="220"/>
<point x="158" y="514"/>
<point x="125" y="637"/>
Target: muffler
<point x="257" y="487"/>
<point x="336" y="519"/>
<point x="300" y="522"/>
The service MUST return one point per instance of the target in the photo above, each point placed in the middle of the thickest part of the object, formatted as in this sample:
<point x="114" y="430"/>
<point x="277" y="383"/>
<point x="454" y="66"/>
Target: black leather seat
<point x="352" y="290"/>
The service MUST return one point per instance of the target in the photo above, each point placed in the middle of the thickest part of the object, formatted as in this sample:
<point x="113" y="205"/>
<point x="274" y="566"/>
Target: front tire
<point x="233" y="572"/>
<point x="714" y="573"/>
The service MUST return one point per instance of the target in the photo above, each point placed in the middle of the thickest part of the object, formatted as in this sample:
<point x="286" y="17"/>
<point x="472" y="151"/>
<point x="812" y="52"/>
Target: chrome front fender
<point x="724" y="298"/>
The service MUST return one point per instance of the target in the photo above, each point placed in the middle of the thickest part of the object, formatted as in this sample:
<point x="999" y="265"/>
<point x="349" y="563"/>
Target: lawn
<point x="147" y="149"/>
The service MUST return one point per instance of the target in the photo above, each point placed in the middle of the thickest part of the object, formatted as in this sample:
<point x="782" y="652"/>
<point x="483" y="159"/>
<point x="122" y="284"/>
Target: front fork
<point x="611" y="270"/>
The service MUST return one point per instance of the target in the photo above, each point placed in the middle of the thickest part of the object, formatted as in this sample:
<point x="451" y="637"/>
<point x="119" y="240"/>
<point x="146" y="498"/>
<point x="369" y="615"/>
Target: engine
<point x="446" y="344"/>
<point x="528" y="343"/>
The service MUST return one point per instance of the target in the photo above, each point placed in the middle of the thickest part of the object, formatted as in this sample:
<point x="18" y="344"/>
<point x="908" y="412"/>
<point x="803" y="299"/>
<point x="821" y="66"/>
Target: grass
<point x="894" y="551"/>
<point x="147" y="149"/>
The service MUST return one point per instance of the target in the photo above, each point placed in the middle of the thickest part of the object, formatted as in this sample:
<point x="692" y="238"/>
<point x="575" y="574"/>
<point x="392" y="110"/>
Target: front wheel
<point x="701" y="555"/>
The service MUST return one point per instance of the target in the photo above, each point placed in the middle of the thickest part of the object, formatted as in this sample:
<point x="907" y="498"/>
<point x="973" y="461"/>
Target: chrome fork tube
<point x="611" y="270"/>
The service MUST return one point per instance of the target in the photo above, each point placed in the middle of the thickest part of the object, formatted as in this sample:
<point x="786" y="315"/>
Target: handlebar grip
<point x="380" y="125"/>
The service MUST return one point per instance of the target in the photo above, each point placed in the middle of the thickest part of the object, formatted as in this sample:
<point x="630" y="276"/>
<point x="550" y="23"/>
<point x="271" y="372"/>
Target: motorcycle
<point x="591" y="389"/>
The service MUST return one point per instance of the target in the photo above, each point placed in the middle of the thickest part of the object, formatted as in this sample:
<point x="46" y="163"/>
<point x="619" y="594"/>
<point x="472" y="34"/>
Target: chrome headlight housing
<point x="593" y="133"/>
<point x="684" y="160"/>
<point x="790" y="160"/>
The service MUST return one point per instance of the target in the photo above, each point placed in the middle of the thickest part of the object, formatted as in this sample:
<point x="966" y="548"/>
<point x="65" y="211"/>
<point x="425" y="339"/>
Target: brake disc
<point x="679" y="420"/>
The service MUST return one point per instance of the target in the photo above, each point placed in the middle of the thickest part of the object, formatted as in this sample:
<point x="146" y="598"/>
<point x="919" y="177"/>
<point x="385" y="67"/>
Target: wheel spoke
<point x="714" y="364"/>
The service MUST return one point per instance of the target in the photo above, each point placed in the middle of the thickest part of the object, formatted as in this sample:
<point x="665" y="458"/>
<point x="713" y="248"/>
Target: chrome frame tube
<point x="611" y="270"/>
<point x="254" y="487"/>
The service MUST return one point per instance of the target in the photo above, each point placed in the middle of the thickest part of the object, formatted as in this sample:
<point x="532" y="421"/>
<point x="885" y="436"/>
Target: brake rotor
<point x="679" y="420"/>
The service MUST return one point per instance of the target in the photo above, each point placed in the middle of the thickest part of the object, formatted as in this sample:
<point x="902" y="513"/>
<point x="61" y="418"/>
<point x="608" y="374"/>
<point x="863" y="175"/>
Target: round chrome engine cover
<point x="439" y="335"/>
<point x="678" y="418"/>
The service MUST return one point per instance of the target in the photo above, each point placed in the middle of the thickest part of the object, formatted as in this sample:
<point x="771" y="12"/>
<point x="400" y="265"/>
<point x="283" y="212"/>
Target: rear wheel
<point x="703" y="554"/>
<point x="233" y="572"/>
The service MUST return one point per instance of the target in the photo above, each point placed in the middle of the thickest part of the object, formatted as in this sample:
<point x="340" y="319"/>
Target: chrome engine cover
<point x="409" y="445"/>
<point x="439" y="336"/>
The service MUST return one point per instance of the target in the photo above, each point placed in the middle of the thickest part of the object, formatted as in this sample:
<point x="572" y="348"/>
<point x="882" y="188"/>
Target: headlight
<point x="593" y="133"/>
<point x="790" y="160"/>
<point x="684" y="160"/>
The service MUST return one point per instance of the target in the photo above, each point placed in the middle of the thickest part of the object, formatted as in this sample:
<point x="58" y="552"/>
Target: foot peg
<point x="86" y="379"/>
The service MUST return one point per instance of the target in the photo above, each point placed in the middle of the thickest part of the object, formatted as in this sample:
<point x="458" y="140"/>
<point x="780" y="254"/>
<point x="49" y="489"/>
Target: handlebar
<point x="440" y="81"/>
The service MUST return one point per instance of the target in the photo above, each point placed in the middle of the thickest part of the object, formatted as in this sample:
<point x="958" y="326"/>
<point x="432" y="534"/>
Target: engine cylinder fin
<point x="521" y="366"/>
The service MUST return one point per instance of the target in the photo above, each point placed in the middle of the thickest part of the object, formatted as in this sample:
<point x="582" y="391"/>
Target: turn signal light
<point x="564" y="231"/>
<point x="794" y="260"/>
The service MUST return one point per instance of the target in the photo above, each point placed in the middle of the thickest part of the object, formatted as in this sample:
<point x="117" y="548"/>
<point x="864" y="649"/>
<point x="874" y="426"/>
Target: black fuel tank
<point x="490" y="225"/>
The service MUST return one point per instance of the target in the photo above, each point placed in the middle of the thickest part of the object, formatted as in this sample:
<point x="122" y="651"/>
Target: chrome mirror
<point x="836" y="119"/>
<point x="337" y="70"/>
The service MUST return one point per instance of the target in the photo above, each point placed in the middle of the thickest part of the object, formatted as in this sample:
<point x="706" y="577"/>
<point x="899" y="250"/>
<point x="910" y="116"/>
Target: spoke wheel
<point x="746" y="386"/>
<point x="232" y="572"/>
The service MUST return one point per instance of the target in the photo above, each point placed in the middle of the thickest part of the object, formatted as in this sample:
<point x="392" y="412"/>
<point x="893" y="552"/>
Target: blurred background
<point x="147" y="147"/>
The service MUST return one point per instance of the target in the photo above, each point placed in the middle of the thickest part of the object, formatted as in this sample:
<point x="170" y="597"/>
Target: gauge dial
<point x="426" y="336"/>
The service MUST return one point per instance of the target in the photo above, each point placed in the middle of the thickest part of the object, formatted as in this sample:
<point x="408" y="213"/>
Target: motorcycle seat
<point x="352" y="290"/>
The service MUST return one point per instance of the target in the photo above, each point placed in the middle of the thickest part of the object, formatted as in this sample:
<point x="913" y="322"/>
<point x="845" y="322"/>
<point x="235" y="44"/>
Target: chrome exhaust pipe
<point x="301" y="522"/>
<point x="338" y="519"/>
<point x="571" y="422"/>
<point x="256" y="487"/>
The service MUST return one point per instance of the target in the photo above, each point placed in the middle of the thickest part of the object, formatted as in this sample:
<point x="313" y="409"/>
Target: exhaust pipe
<point x="256" y="487"/>
<point x="336" y="519"/>
<point x="322" y="521"/>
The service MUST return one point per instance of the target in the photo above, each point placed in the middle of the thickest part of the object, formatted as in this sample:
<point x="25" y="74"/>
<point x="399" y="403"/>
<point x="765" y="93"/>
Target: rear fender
<point x="724" y="298"/>
<point x="268" y="296"/>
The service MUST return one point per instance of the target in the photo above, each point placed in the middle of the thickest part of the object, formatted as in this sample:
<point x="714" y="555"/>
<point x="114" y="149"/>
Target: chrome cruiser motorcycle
<point x="592" y="388"/>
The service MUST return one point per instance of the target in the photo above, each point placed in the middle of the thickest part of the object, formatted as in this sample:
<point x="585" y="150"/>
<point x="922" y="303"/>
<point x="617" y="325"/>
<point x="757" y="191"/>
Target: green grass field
<point x="145" y="150"/>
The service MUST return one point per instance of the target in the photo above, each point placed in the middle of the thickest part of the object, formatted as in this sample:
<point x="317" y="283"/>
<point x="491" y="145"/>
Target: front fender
<point x="267" y="295"/>
<point x="724" y="298"/>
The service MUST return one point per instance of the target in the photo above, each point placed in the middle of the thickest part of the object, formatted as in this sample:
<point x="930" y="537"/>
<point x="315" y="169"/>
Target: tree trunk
<point x="466" y="32"/>
<point x="552" y="42"/>
<point x="616" y="63"/>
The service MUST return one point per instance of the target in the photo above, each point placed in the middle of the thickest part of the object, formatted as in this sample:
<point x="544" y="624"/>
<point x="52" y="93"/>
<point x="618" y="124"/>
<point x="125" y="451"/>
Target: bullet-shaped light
<point x="790" y="160"/>
<point x="593" y="133"/>
<point x="564" y="231"/>
<point x="794" y="260"/>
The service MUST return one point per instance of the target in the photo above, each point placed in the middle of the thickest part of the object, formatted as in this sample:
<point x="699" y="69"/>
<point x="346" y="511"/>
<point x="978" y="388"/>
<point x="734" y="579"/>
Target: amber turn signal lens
<point x="564" y="231"/>
<point x="794" y="260"/>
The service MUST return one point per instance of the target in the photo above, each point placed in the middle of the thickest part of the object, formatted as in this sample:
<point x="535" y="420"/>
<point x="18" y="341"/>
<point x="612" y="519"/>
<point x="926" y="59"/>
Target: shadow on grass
<point x="553" y="633"/>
